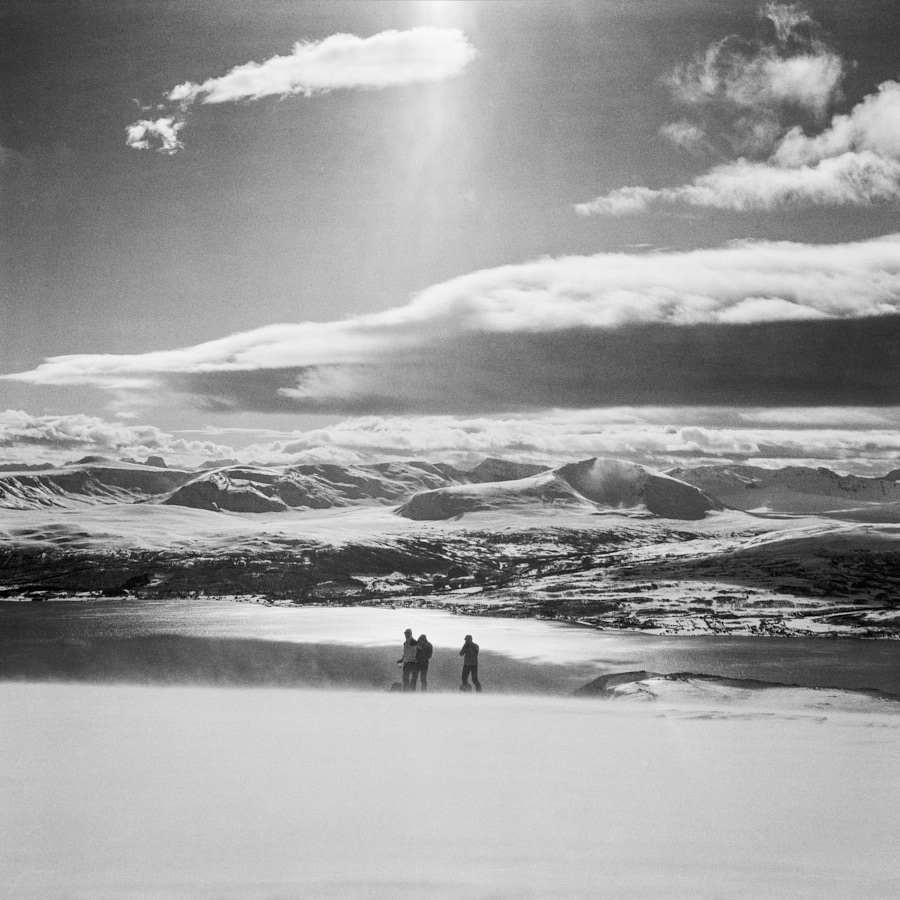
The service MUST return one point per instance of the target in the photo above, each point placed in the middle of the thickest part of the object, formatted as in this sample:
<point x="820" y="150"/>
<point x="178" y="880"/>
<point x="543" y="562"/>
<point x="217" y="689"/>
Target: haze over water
<point x="522" y="649"/>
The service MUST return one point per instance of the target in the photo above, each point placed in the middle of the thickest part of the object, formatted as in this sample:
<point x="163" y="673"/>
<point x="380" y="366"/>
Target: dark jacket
<point x="470" y="652"/>
<point x="425" y="651"/>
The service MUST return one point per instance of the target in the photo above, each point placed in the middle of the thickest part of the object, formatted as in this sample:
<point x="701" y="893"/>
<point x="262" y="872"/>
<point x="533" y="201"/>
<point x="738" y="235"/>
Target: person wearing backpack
<point x="424" y="653"/>
<point x="469" y="653"/>
<point x="408" y="660"/>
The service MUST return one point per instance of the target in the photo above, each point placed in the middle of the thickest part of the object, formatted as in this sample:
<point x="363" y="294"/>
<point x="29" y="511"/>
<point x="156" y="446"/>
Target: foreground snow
<point x="175" y="793"/>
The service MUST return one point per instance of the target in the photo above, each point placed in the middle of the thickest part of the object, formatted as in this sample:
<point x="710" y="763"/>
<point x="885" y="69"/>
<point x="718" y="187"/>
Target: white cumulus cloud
<point x="853" y="160"/>
<point x="850" y="179"/>
<point x="872" y="125"/>
<point x="163" y="131"/>
<point x="341" y="61"/>
<point x="799" y="67"/>
<point x="787" y="18"/>
<point x="30" y="439"/>
<point x="338" y="62"/>
<point x="662" y="438"/>
<point x="760" y="77"/>
<point x="862" y="440"/>
<point x="685" y="135"/>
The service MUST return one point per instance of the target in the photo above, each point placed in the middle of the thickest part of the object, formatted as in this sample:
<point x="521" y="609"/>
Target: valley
<point x="603" y="543"/>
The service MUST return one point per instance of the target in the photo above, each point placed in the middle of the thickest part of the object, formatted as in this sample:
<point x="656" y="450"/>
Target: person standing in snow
<point x="423" y="655"/>
<point x="408" y="660"/>
<point x="469" y="653"/>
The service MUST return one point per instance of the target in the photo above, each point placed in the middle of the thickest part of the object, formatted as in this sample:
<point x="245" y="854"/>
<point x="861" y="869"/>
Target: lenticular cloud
<point x="752" y="323"/>
<point x="339" y="62"/>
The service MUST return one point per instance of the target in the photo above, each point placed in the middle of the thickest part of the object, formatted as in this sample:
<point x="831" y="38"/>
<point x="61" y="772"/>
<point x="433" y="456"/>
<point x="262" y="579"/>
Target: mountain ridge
<point x="595" y="483"/>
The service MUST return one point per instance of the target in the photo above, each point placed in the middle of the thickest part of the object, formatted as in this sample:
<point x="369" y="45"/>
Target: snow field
<point x="172" y="793"/>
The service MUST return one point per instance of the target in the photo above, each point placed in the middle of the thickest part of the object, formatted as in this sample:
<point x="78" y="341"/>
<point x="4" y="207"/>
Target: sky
<point x="661" y="230"/>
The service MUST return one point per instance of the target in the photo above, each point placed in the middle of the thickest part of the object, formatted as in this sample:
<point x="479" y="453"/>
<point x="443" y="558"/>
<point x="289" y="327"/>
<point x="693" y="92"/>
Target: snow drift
<point x="716" y="690"/>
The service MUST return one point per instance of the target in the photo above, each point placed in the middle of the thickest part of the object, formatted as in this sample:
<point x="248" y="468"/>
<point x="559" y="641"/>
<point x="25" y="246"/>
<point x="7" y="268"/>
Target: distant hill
<point x="261" y="489"/>
<point x="446" y="491"/>
<point x="218" y="463"/>
<point x="592" y="484"/>
<point x="228" y="486"/>
<point x="794" y="489"/>
<point x="502" y="470"/>
<point x="24" y="467"/>
<point x="87" y="484"/>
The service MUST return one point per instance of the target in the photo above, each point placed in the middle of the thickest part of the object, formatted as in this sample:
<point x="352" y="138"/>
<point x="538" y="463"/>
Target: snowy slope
<point x="590" y="484"/>
<point x="169" y="793"/>
<point x="270" y="489"/>
<point x="87" y="484"/>
<point x="492" y="469"/>
<point x="689" y="688"/>
<point x="794" y="489"/>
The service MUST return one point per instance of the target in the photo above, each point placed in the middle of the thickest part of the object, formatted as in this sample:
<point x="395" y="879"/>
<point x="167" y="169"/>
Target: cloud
<point x="854" y="160"/>
<point x="32" y="439"/>
<point x="752" y="76"/>
<point x="656" y="437"/>
<point x="685" y="135"/>
<point x="850" y="440"/>
<point x="799" y="68"/>
<point x="787" y="19"/>
<point x="871" y="126"/>
<point x="621" y="200"/>
<point x="851" y="179"/>
<point x="747" y="324"/>
<point x="341" y="61"/>
<point x="338" y="62"/>
<point x="163" y="131"/>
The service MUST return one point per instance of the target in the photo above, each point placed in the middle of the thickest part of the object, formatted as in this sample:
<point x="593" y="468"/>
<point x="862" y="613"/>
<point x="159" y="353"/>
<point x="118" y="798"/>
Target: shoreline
<point x="232" y="640"/>
<point x="735" y="623"/>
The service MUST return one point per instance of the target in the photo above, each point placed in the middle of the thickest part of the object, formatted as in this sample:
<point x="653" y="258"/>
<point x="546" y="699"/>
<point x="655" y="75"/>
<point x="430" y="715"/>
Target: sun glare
<point x="446" y="13"/>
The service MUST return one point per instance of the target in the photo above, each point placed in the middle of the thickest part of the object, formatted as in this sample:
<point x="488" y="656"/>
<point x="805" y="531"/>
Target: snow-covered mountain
<point x="262" y="489"/>
<point x="432" y="491"/>
<point x="593" y="484"/>
<point x="604" y="542"/>
<point x="87" y="483"/>
<point x="237" y="488"/>
<point x="795" y="489"/>
<point x="492" y="469"/>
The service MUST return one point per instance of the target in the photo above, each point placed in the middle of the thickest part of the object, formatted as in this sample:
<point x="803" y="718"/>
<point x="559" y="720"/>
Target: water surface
<point x="183" y="639"/>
